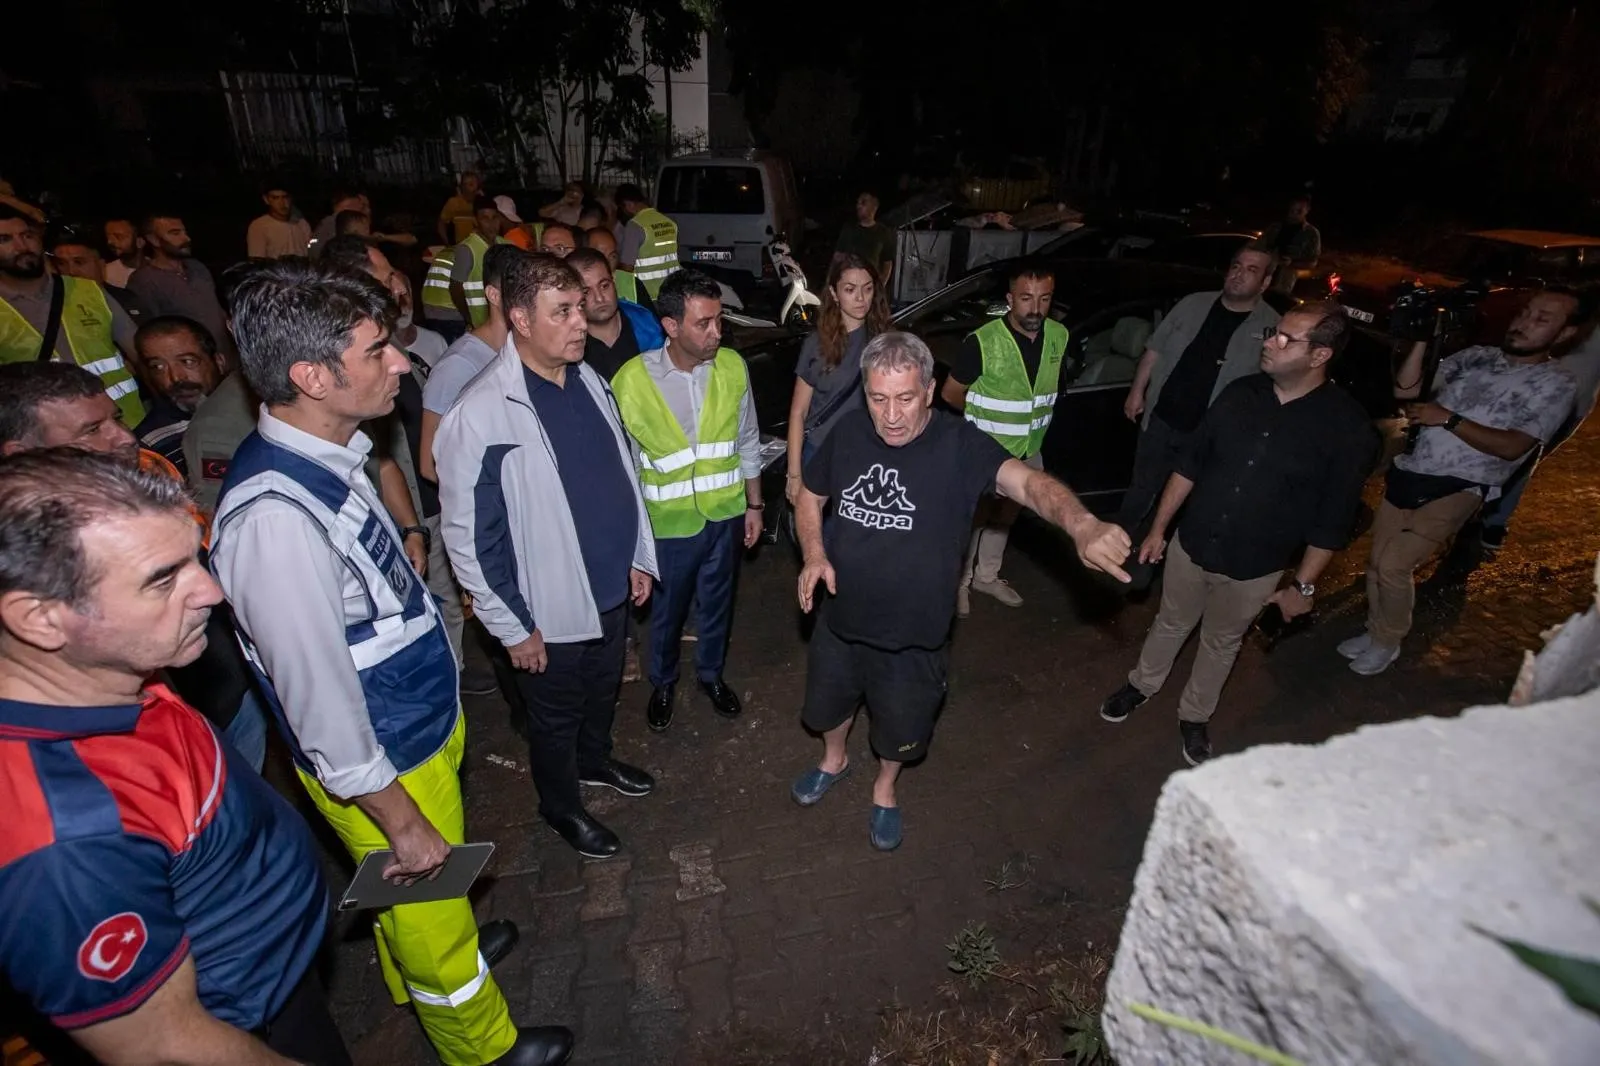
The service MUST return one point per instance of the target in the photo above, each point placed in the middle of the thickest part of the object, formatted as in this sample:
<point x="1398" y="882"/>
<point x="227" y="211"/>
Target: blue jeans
<point x="700" y="570"/>
<point x="248" y="730"/>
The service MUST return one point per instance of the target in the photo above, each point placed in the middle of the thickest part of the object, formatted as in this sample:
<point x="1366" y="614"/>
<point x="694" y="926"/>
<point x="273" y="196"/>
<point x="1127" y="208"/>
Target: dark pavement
<point x="734" y="912"/>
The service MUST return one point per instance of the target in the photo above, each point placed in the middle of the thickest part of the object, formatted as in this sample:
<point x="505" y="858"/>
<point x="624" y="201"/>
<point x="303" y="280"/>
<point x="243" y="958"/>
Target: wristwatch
<point x="755" y="506"/>
<point x="1304" y="588"/>
<point x="422" y="531"/>
<point x="1453" y="421"/>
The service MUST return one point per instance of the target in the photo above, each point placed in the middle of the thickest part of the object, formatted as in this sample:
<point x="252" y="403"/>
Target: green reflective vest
<point x="477" y="300"/>
<point x="658" y="255"/>
<point x="685" y="487"/>
<point x="627" y="284"/>
<point x="436" y="283"/>
<point x="1003" y="402"/>
<point x="86" y="334"/>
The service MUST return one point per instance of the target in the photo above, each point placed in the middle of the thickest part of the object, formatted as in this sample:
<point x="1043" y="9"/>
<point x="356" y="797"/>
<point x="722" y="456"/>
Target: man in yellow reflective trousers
<point x="349" y="643"/>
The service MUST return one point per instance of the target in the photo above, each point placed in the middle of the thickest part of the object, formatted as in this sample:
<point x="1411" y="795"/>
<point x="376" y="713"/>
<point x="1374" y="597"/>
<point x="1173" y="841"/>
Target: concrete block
<point x="1319" y="900"/>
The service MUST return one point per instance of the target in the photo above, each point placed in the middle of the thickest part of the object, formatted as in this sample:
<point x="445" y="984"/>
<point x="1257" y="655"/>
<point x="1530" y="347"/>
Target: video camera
<point x="1429" y="312"/>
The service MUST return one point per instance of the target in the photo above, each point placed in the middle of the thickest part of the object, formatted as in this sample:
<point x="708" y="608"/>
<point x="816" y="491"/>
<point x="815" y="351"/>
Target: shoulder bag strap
<point x="52" y="326"/>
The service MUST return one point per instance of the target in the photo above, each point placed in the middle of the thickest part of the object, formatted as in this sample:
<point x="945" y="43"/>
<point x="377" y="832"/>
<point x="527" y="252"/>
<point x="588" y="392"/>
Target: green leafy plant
<point x="1578" y="978"/>
<point x="973" y="954"/>
<point x="1086" y="1041"/>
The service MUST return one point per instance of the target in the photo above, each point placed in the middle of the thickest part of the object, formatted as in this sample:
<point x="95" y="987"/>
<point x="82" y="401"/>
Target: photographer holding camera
<point x="1486" y="410"/>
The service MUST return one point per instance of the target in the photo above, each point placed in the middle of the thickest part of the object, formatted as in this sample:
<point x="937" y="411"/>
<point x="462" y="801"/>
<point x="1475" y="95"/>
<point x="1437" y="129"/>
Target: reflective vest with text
<point x="658" y="255"/>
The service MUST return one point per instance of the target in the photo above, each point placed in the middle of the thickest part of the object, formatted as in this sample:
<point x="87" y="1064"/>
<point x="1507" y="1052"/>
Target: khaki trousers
<point x="1222" y="606"/>
<point x="991" y="528"/>
<point x="1401" y="542"/>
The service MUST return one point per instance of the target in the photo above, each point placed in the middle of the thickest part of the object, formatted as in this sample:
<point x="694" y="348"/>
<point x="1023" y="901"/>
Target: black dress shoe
<point x="496" y="939"/>
<point x="586" y="835"/>
<point x="539" y="1045"/>
<point x="658" y="712"/>
<point x="724" y="700"/>
<point x="628" y="780"/>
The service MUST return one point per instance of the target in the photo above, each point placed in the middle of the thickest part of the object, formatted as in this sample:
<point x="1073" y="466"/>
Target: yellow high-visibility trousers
<point x="428" y="952"/>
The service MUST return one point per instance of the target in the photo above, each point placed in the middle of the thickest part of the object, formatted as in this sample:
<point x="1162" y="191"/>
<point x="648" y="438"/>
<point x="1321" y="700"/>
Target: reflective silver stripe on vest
<point x="677" y="490"/>
<point x="652" y="260"/>
<point x="1003" y="429"/>
<point x="1013" y="407"/>
<point x="106" y="365"/>
<point x="669" y="463"/>
<point x="121" y="389"/>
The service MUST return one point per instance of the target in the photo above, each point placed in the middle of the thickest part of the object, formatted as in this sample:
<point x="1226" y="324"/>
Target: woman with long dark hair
<point x="828" y="376"/>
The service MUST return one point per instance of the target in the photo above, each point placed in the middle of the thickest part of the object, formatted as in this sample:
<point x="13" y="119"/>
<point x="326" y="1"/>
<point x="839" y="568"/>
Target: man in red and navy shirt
<point x="157" y="899"/>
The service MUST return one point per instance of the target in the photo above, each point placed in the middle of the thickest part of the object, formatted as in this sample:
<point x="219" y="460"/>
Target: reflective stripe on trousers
<point x="428" y="952"/>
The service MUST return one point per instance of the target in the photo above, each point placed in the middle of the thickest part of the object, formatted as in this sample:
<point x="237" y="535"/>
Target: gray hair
<point x="895" y="351"/>
<point x="48" y="498"/>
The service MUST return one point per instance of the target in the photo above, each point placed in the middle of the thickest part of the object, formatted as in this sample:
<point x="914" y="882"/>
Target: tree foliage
<point x="521" y="73"/>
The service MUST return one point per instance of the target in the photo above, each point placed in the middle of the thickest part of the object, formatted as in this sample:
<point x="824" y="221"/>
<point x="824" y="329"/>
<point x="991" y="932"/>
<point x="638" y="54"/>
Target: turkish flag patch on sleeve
<point x="112" y="947"/>
<point x="213" y="469"/>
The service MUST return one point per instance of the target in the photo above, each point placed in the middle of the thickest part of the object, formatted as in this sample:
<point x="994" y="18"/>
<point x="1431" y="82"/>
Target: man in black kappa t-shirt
<point x="904" y="480"/>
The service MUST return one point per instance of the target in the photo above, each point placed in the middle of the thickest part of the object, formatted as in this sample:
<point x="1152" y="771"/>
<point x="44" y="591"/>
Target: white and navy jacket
<point x="504" y="511"/>
<point x="346" y="638"/>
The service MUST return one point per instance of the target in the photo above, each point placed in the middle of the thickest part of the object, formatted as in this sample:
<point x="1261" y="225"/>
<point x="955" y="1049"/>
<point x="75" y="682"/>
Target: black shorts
<point x="903" y="691"/>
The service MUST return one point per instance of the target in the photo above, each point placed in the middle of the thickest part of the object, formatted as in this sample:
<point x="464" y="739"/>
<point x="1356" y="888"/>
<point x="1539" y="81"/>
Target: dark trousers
<point x="569" y="708"/>
<point x="304" y="1030"/>
<point x="1156" y="457"/>
<point x="698" y="569"/>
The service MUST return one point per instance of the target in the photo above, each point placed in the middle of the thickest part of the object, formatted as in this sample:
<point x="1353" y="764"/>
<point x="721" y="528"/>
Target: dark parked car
<point x="1111" y="307"/>
<point x="1505" y="265"/>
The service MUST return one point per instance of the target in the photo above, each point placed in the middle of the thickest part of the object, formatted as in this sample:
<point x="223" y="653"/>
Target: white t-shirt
<point x="118" y="273"/>
<point x="428" y="346"/>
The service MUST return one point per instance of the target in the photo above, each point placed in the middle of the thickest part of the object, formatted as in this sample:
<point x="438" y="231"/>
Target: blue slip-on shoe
<point x="886" y="830"/>
<point x="812" y="785"/>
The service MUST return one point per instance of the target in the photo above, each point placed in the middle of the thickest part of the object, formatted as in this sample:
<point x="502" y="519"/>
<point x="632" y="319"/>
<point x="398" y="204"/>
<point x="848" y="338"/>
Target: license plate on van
<point x="711" y="255"/>
<point x="1359" y="315"/>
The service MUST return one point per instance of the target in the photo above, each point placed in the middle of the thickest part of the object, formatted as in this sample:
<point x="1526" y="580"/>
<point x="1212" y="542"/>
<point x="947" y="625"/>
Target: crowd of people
<point x="259" y="506"/>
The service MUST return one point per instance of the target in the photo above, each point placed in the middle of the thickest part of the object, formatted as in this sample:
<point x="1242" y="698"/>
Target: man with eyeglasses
<point x="1206" y="342"/>
<point x="1273" y="475"/>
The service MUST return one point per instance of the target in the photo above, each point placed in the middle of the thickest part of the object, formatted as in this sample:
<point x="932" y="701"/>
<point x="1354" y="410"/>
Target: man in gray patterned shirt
<point x="1490" y="408"/>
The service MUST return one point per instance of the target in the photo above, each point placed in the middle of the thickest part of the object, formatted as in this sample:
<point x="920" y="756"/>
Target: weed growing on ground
<point x="973" y="954"/>
<point x="1012" y="874"/>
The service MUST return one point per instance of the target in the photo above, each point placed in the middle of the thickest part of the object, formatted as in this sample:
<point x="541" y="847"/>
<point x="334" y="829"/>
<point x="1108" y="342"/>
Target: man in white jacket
<point x="546" y="527"/>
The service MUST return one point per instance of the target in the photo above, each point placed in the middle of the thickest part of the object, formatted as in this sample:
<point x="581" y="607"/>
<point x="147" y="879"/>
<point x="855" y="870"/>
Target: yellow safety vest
<point x="1014" y="411"/>
<point x="627" y="285"/>
<point x="436" y="283"/>
<point x="86" y="331"/>
<point x="685" y="487"/>
<point x="658" y="255"/>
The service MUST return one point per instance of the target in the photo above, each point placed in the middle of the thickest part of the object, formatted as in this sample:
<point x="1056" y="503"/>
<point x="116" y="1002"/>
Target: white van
<point x="728" y="207"/>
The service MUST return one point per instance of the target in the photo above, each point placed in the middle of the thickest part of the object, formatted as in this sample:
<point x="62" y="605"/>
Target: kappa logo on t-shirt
<point x="877" y="500"/>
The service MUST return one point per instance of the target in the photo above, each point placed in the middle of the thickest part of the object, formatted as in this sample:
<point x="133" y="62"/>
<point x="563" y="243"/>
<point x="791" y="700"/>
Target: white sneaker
<point x="1375" y="660"/>
<point x="963" y="601"/>
<point x="1355" y="645"/>
<point x="1000" y="590"/>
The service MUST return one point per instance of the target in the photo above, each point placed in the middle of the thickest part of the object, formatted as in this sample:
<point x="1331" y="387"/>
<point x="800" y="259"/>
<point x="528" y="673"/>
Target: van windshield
<point x="712" y="190"/>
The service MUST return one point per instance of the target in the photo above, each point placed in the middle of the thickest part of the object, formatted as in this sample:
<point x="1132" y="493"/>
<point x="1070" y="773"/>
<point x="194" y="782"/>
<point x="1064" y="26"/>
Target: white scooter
<point x="800" y="305"/>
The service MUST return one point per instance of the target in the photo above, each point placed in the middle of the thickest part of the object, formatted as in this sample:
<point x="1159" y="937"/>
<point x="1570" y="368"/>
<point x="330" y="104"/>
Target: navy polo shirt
<point x="599" y="492"/>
